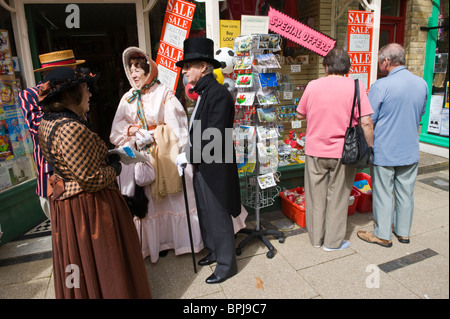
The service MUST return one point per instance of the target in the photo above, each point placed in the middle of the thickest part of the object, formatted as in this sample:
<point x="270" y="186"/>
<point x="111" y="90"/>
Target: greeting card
<point x="267" y="98"/>
<point x="267" y="80"/>
<point x="245" y="98"/>
<point x="244" y="80"/>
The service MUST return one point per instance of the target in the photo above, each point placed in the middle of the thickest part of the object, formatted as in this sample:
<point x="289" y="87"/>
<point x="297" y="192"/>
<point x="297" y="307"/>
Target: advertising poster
<point x="359" y="45"/>
<point x="176" y="27"/>
<point x="434" y="121"/>
<point x="5" y="143"/>
<point x="229" y="29"/>
<point x="6" y="62"/>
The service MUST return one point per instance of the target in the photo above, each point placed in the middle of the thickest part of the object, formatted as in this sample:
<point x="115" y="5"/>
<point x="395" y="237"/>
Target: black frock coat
<point x="214" y="156"/>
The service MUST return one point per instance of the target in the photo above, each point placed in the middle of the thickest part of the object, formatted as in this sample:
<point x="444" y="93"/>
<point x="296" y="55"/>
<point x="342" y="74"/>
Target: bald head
<point x="394" y="53"/>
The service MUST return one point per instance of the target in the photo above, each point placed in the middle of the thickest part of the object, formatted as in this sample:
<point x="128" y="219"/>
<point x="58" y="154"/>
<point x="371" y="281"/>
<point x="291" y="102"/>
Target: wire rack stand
<point x="257" y="198"/>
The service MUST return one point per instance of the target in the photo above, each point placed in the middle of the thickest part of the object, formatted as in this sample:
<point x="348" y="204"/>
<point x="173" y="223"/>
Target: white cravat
<point x="191" y="121"/>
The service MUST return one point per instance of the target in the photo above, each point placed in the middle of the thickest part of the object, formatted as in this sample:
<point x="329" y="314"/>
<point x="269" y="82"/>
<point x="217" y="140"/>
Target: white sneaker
<point x="345" y="244"/>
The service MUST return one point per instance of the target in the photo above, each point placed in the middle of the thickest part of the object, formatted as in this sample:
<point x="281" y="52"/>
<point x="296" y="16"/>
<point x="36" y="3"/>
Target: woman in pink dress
<point x="150" y="119"/>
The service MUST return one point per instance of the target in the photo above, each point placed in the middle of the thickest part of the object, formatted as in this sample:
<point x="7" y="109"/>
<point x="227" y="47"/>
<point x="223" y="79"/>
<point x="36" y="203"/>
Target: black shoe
<point x="214" y="279"/>
<point x="163" y="253"/>
<point x="208" y="260"/>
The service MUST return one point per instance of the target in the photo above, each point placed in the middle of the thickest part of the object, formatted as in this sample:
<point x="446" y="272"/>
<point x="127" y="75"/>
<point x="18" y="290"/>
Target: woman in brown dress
<point x="95" y="244"/>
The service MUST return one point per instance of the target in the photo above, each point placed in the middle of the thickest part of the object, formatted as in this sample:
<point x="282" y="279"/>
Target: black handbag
<point x="356" y="152"/>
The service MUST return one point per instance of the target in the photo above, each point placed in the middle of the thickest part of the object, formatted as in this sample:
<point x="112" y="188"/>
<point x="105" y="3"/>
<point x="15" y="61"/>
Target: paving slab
<point x="353" y="277"/>
<point x="264" y="278"/>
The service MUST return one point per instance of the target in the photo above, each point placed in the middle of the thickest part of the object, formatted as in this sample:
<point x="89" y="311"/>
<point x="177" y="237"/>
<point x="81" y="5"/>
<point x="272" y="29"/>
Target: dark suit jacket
<point x="214" y="156"/>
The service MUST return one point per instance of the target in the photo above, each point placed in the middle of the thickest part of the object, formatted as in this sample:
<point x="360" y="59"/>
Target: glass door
<point x="97" y="33"/>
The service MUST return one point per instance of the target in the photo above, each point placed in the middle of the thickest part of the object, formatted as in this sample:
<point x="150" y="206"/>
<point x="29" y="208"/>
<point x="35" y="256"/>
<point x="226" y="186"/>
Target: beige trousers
<point x="328" y="184"/>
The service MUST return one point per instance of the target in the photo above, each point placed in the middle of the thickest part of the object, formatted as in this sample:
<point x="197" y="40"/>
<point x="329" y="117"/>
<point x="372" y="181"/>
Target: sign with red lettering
<point x="299" y="33"/>
<point x="176" y="27"/>
<point x="359" y="45"/>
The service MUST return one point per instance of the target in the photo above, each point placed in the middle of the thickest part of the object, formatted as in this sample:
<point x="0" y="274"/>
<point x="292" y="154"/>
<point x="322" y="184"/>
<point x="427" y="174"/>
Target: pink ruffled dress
<point x="165" y="225"/>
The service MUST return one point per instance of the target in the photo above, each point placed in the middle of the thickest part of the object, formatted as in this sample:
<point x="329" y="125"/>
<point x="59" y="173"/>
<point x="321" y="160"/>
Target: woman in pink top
<point x="326" y="105"/>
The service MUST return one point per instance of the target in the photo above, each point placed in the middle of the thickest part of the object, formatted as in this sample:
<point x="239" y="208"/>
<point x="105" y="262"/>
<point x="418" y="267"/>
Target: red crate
<point x="365" y="200"/>
<point x="352" y="208"/>
<point x="292" y="210"/>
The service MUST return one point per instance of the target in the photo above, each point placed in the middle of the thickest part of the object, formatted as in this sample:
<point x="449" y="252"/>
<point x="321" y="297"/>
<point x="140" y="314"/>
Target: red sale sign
<point x="176" y="27"/>
<point x="359" y="45"/>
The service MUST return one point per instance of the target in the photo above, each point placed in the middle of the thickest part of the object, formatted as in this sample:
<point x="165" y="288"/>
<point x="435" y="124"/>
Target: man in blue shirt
<point x="398" y="102"/>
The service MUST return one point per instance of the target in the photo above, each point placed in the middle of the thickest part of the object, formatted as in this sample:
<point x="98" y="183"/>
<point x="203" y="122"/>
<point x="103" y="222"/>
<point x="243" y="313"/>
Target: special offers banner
<point x="176" y="27"/>
<point x="299" y="33"/>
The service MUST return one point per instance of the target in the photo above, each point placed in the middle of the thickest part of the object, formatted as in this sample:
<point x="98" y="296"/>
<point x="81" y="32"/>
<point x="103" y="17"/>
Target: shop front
<point x="435" y="122"/>
<point x="98" y="32"/>
<point x="31" y="28"/>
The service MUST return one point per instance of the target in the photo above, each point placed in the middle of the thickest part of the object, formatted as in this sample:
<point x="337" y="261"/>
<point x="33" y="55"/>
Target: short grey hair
<point x="209" y="68"/>
<point x="393" y="52"/>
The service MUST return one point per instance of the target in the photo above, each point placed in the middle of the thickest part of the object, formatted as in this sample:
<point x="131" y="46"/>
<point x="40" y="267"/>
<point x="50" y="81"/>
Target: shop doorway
<point x="392" y="24"/>
<point x="99" y="36"/>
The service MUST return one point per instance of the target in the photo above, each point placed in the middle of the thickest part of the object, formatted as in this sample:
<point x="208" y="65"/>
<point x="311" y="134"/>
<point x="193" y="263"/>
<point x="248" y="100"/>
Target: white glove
<point x="181" y="163"/>
<point x="144" y="138"/>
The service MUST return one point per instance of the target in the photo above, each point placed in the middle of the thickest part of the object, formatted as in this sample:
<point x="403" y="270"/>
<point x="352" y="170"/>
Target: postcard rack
<point x="256" y="193"/>
<point x="266" y="197"/>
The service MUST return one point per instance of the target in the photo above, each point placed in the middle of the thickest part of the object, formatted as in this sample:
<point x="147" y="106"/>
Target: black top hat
<point x="62" y="78"/>
<point x="199" y="49"/>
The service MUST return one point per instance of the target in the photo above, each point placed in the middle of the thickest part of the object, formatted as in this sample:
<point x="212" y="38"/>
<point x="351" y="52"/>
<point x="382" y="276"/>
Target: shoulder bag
<point x="356" y="152"/>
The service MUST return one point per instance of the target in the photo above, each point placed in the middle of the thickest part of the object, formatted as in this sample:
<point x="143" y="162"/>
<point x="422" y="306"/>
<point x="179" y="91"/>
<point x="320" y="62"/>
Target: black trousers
<point x="216" y="227"/>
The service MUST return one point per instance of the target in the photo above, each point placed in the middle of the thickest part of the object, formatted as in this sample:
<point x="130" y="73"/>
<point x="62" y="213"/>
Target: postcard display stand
<point x="257" y="142"/>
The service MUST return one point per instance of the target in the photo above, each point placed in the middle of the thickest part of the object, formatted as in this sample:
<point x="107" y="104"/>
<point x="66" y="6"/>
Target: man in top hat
<point x="32" y="113"/>
<point x="211" y="152"/>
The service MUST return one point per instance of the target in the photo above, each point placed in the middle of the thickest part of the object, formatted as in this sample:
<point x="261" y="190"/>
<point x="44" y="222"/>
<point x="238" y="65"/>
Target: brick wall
<point x="417" y="14"/>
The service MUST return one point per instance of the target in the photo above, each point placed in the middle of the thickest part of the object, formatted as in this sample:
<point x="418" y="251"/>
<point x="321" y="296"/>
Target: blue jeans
<point x="393" y="199"/>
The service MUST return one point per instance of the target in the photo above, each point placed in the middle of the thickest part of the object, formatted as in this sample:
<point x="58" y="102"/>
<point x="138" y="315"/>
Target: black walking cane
<point x="188" y="220"/>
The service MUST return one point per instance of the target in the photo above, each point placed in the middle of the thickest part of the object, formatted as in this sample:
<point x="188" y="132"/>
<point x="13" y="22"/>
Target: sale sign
<point x="359" y="45"/>
<point x="176" y="27"/>
<point x="299" y="33"/>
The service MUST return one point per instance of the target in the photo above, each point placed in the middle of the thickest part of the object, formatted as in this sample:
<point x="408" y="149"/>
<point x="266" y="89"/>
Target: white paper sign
<point x="296" y="124"/>
<point x="254" y="24"/>
<point x="444" y="122"/>
<point x="295" y="68"/>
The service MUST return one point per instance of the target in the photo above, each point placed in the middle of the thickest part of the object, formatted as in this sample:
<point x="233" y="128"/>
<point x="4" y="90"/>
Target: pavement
<point x="419" y="270"/>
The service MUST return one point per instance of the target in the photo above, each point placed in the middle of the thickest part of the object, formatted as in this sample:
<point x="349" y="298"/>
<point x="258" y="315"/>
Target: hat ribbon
<point x="57" y="63"/>
<point x="136" y="95"/>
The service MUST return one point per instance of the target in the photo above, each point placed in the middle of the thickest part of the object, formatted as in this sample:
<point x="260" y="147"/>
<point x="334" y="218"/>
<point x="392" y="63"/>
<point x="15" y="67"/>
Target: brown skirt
<point x="96" y="250"/>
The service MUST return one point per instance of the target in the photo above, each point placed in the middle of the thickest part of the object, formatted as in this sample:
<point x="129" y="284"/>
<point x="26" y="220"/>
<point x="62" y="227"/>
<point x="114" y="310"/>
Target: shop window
<point x="439" y="106"/>
<point x="16" y="146"/>
<point x="390" y="8"/>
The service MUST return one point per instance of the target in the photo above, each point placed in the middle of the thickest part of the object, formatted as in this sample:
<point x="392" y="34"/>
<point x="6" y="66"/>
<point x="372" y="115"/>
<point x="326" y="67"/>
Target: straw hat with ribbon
<point x="56" y="59"/>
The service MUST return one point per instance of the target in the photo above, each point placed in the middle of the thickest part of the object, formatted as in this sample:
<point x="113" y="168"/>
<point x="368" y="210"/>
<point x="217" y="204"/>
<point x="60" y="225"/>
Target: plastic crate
<point x="292" y="210"/>
<point x="352" y="207"/>
<point x="365" y="200"/>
